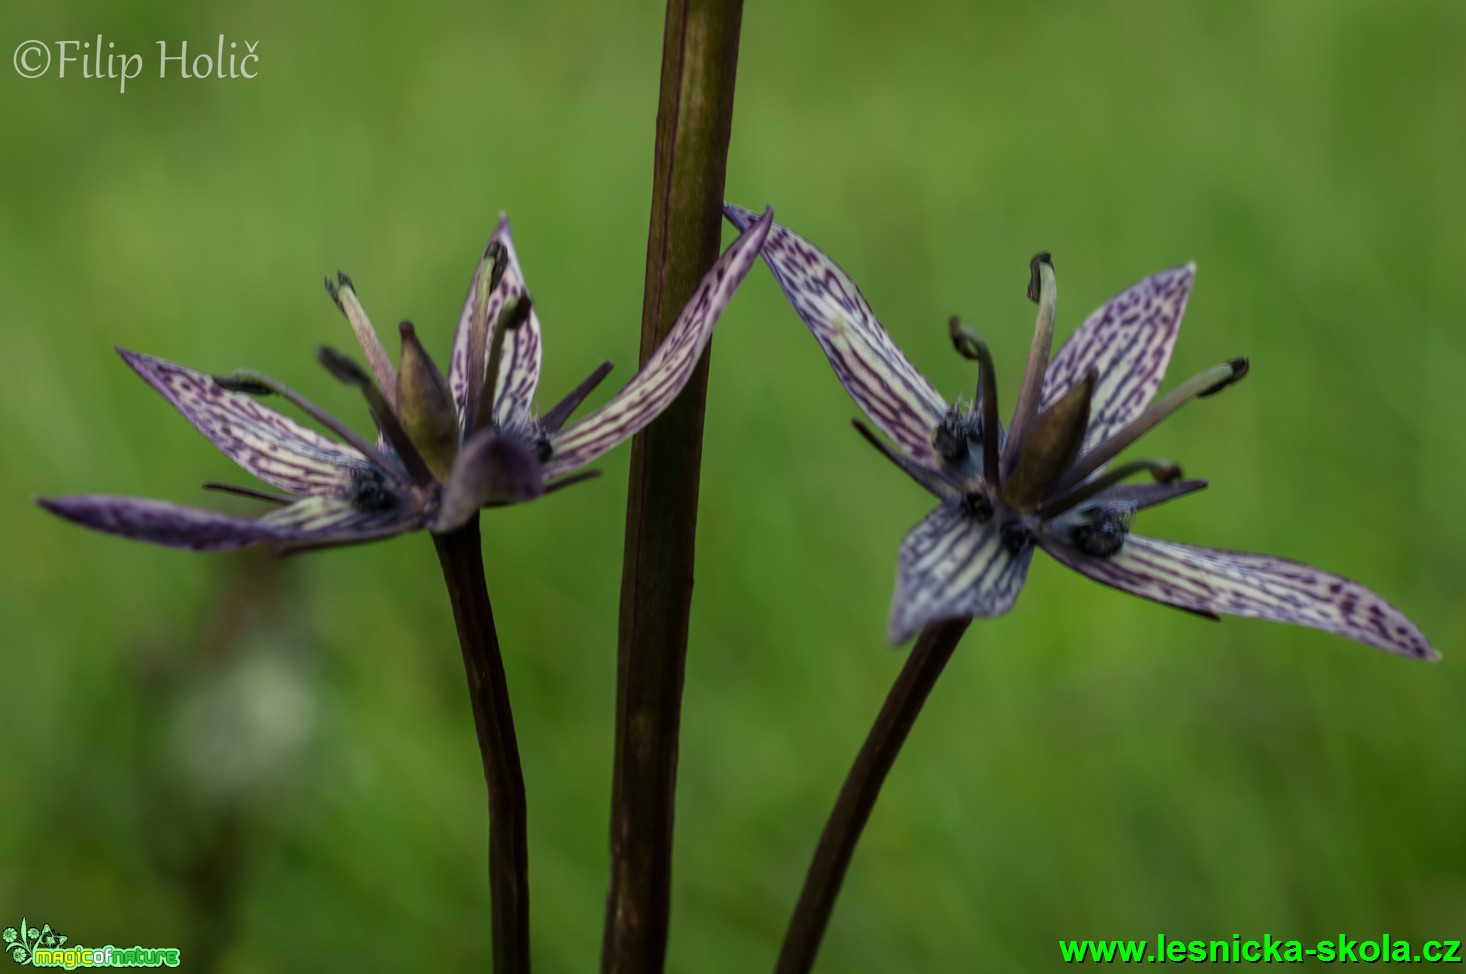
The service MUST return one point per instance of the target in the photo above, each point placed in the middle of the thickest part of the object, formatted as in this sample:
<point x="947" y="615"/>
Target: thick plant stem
<point x="694" y="121"/>
<point x="858" y="796"/>
<point x="461" y="555"/>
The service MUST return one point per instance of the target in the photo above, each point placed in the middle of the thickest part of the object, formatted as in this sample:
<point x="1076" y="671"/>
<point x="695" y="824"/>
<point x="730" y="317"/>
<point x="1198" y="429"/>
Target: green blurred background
<point x="272" y="764"/>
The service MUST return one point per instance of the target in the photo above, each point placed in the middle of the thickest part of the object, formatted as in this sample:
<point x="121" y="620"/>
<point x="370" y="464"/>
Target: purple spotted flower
<point x="1046" y="480"/>
<point x="447" y="446"/>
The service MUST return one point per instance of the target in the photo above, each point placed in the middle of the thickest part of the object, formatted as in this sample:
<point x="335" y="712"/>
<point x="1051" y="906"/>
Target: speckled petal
<point x="158" y="522"/>
<point x="1128" y="342"/>
<point x="519" y="368"/>
<point x="884" y="384"/>
<point x="196" y="529"/>
<point x="952" y="565"/>
<point x="670" y="366"/>
<point x="1211" y="580"/>
<point x="274" y="448"/>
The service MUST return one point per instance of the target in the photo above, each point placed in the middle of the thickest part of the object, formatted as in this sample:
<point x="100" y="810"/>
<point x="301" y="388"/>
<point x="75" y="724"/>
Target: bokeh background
<point x="271" y="764"/>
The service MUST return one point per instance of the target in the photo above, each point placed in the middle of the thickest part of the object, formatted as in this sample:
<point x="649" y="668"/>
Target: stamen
<point x="343" y="292"/>
<point x="1164" y="471"/>
<point x="1043" y="289"/>
<point x="932" y="480"/>
<point x="495" y="260"/>
<point x="250" y="492"/>
<point x="1208" y="383"/>
<point x="555" y="418"/>
<point x="255" y="383"/>
<point x="511" y="318"/>
<point x="971" y="346"/>
<point x="291" y="548"/>
<point x="347" y="371"/>
<point x="570" y="481"/>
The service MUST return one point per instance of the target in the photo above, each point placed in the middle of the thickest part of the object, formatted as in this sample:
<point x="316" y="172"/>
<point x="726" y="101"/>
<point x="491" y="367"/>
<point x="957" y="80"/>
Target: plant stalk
<point x="694" y="123"/>
<point x="858" y="796"/>
<point x="461" y="554"/>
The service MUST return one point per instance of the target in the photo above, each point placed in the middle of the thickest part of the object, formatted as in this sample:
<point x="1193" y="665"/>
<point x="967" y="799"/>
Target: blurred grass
<point x="1090" y="766"/>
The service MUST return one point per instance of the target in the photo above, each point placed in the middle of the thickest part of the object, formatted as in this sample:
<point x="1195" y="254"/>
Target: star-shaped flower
<point x="447" y="446"/>
<point x="1046" y="479"/>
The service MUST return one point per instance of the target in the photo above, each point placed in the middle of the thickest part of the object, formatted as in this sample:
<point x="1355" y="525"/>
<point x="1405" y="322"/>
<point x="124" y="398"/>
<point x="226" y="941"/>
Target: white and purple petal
<point x="954" y="564"/>
<point x="273" y="447"/>
<point x="159" y="522"/>
<point x="1211" y="580"/>
<point x="197" y="529"/>
<point x="519" y="366"/>
<point x="1128" y="342"/>
<point x="884" y="384"/>
<point x="667" y="370"/>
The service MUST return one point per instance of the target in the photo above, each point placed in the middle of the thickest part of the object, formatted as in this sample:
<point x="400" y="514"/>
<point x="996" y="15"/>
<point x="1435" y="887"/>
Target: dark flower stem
<point x="858" y="796"/>
<point x="461" y="555"/>
<point x="694" y="122"/>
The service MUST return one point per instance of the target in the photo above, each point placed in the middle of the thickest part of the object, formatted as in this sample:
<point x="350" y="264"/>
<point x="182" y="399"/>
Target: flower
<point x="447" y="446"/>
<point x="1046" y="479"/>
<point x="10" y="935"/>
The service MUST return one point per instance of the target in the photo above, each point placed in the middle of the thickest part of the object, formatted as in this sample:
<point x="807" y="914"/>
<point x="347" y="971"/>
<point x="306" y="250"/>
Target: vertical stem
<point x="694" y="122"/>
<point x="858" y="796"/>
<point x="461" y="555"/>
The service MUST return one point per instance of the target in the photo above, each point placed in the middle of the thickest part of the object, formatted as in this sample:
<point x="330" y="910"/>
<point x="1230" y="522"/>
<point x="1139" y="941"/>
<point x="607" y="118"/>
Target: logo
<point x="22" y="944"/>
<point x="43" y="947"/>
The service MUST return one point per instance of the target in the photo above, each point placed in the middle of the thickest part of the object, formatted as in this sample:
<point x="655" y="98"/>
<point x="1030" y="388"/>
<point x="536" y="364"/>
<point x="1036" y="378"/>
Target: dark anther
<point x="250" y="387"/>
<point x="370" y="495"/>
<point x="978" y="507"/>
<point x="331" y="290"/>
<point x="1042" y="257"/>
<point x="951" y="438"/>
<point x="518" y="314"/>
<point x="1102" y="538"/>
<point x="1240" y="368"/>
<point x="501" y="261"/>
<point x="964" y="339"/>
<point x="1018" y="536"/>
<point x="344" y="281"/>
<point x="543" y="450"/>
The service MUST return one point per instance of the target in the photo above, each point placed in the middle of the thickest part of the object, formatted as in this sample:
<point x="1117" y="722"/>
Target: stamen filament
<point x="343" y="292"/>
<point x="511" y="317"/>
<point x="494" y="261"/>
<point x="290" y="548"/>
<point x="1043" y="289"/>
<point x="565" y="408"/>
<point x="255" y="383"/>
<point x="1208" y="383"/>
<point x="1164" y="471"/>
<point x="347" y="371"/>
<point x="250" y="492"/>
<point x="971" y="346"/>
<point x="933" y="480"/>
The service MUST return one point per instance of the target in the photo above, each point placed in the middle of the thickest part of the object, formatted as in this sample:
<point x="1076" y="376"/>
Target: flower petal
<point x="883" y="383"/>
<point x="1210" y="580"/>
<point x="519" y="368"/>
<point x="197" y="529"/>
<point x="173" y="525"/>
<point x="952" y="564"/>
<point x="667" y="370"/>
<point x="1128" y="342"/>
<point x="490" y="469"/>
<point x="273" y="447"/>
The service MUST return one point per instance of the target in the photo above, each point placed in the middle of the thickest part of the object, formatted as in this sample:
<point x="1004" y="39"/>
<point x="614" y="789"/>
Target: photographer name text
<point x="100" y="60"/>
